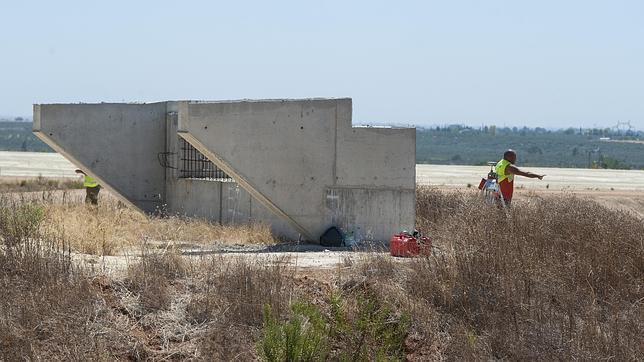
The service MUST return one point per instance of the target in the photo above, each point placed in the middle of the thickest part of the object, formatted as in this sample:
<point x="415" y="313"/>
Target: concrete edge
<point x="269" y="100"/>
<point x="36" y="120"/>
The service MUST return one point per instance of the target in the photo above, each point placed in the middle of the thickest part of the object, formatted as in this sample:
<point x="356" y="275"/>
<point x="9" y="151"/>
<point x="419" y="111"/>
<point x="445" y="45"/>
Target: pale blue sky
<point x="537" y="63"/>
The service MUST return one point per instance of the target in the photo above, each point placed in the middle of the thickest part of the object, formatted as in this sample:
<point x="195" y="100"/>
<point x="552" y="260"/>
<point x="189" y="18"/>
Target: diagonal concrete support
<point x="244" y="183"/>
<point x="282" y="152"/>
<point x="117" y="144"/>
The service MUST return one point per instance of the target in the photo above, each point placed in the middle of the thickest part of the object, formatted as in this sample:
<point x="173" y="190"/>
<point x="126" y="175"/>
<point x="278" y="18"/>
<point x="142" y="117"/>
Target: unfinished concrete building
<point x="298" y="165"/>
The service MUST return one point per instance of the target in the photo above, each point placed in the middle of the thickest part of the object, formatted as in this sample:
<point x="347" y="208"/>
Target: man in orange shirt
<point x="505" y="171"/>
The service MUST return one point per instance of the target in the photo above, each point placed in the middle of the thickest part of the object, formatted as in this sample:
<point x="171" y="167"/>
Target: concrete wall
<point x="298" y="165"/>
<point x="223" y="202"/>
<point x="115" y="143"/>
<point x="376" y="157"/>
<point x="292" y="156"/>
<point x="371" y="214"/>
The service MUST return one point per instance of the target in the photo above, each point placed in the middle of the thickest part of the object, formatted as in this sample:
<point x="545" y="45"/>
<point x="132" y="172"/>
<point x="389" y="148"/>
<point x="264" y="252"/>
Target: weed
<point x="236" y="289"/>
<point x="19" y="222"/>
<point x="302" y="338"/>
<point x="365" y="328"/>
<point x="111" y="228"/>
<point x="554" y="278"/>
<point x="151" y="277"/>
<point x="39" y="184"/>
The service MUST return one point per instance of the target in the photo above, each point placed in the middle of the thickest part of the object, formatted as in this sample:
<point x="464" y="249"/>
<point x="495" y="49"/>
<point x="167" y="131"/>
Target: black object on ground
<point x="332" y="237"/>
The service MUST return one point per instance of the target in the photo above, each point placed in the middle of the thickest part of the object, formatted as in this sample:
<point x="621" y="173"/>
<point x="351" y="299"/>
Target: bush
<point x="556" y="278"/>
<point x="236" y="290"/>
<point x="151" y="277"/>
<point x="304" y="337"/>
<point x="47" y="305"/>
<point x="358" y="328"/>
<point x="19" y="222"/>
<point x="365" y="329"/>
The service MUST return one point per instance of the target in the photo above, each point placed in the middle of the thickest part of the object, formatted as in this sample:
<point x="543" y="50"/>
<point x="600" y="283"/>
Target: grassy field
<point x="552" y="280"/>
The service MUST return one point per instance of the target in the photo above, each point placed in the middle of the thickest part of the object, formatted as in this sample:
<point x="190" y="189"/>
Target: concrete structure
<point x="298" y="165"/>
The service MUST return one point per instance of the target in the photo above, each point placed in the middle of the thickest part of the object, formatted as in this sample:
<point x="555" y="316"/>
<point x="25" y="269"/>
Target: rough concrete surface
<point x="301" y="165"/>
<point x="118" y="144"/>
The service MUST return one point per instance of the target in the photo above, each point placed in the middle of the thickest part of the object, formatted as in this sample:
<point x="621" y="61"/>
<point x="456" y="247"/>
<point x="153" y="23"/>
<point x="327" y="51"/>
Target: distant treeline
<point x="17" y="136"/>
<point x="572" y="147"/>
<point x="463" y="145"/>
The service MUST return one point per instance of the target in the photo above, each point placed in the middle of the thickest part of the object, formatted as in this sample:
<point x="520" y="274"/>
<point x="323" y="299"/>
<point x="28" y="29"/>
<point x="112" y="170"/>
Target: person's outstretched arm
<point x="515" y="170"/>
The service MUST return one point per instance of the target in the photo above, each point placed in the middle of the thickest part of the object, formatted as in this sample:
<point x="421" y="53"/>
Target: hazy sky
<point x="536" y="63"/>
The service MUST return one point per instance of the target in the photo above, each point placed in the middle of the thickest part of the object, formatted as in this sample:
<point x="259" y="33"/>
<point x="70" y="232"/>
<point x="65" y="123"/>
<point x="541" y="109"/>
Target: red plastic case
<point x="405" y="245"/>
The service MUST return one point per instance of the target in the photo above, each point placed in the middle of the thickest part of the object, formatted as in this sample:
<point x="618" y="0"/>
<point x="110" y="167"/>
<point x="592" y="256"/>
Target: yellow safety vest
<point x="500" y="171"/>
<point x="89" y="182"/>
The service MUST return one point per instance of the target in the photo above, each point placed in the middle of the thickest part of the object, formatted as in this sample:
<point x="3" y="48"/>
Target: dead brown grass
<point x="555" y="279"/>
<point x="47" y="306"/>
<point x="38" y="184"/>
<point x="112" y="228"/>
<point x="231" y="299"/>
<point x="51" y="309"/>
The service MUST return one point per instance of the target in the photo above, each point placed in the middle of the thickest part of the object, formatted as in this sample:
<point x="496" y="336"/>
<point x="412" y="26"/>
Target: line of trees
<point x="571" y="147"/>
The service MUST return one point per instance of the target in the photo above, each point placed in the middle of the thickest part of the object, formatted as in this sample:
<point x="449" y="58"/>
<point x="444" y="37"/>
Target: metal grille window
<point x="195" y="165"/>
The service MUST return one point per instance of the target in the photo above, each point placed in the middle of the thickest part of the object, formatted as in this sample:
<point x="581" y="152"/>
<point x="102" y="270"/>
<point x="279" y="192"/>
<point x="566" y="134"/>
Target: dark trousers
<point x="91" y="195"/>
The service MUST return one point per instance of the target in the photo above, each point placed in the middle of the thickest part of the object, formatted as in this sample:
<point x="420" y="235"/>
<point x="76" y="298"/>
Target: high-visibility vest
<point x="89" y="182"/>
<point x="500" y="171"/>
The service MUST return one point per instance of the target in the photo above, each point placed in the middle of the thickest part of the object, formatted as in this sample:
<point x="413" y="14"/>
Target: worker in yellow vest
<point x="506" y="170"/>
<point x="92" y="188"/>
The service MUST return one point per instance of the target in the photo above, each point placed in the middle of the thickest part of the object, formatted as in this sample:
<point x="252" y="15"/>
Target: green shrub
<point x="372" y="331"/>
<point x="304" y="337"/>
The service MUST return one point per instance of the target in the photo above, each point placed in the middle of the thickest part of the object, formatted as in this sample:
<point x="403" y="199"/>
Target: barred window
<point x="195" y="165"/>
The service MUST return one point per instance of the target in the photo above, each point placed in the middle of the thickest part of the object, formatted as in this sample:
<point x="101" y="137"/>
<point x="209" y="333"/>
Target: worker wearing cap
<point x="506" y="170"/>
<point x="92" y="188"/>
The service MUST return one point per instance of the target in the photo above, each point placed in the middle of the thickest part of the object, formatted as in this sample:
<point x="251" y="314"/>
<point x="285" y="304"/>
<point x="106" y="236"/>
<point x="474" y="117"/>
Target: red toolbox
<point x="406" y="245"/>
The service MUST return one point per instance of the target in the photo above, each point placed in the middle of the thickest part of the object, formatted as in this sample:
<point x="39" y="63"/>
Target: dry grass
<point x="38" y="184"/>
<point x="47" y="307"/>
<point x="556" y="279"/>
<point x="230" y="301"/>
<point x="112" y="228"/>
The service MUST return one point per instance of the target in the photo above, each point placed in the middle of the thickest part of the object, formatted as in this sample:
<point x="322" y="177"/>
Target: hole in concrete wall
<point x="195" y="165"/>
